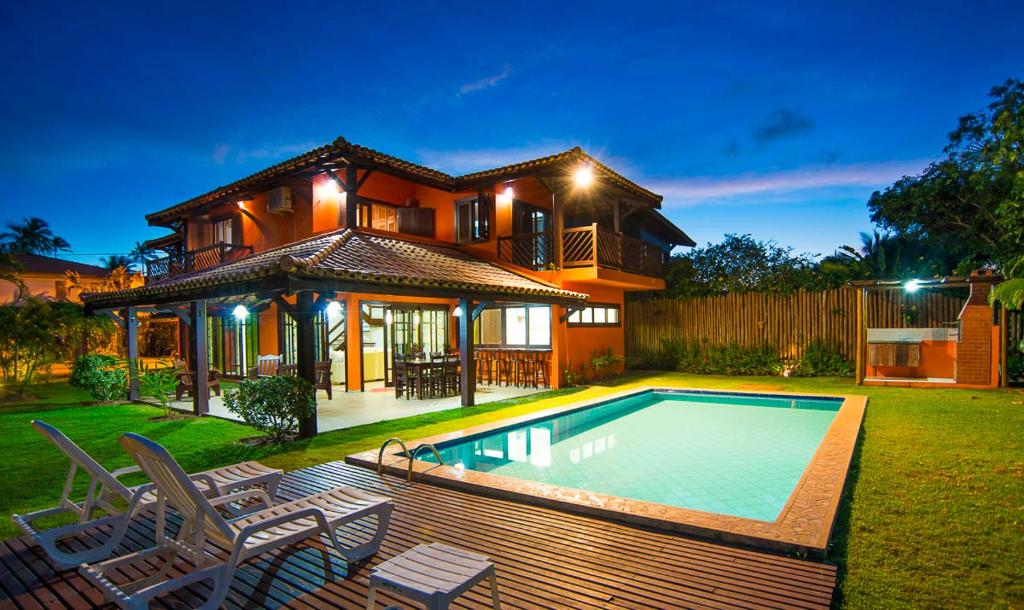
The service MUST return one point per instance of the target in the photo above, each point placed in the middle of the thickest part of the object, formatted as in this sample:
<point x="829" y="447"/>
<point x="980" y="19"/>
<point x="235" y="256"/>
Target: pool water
<point x="725" y="453"/>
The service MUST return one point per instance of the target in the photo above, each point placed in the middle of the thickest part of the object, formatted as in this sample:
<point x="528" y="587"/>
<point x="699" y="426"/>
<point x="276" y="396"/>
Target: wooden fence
<point x="787" y="322"/>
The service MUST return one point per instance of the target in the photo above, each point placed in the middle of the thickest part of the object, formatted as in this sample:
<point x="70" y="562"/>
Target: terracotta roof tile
<point x="357" y="257"/>
<point x="38" y="263"/>
<point x="343" y="149"/>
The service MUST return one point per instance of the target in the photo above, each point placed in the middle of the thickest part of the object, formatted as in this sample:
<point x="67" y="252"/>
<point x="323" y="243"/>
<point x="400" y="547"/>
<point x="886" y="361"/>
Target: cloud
<point x="220" y="153"/>
<point x="486" y="82"/>
<point x="757" y="188"/>
<point x="780" y="123"/>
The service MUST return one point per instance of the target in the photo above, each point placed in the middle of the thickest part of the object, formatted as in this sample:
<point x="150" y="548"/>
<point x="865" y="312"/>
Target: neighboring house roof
<point x="359" y="257"/>
<point x="37" y="263"/>
<point x="343" y="150"/>
<point x="160" y="243"/>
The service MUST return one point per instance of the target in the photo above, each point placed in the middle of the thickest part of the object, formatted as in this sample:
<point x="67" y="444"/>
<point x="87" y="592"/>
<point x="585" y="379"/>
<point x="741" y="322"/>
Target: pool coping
<point x="804" y="524"/>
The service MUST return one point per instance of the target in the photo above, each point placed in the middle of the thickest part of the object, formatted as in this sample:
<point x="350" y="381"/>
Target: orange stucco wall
<point x="319" y="206"/>
<point x="938" y="360"/>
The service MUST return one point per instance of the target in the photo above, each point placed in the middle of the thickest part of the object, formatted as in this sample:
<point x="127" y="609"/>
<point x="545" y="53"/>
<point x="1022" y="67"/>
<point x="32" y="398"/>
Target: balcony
<point x="194" y="260"/>
<point x="589" y="246"/>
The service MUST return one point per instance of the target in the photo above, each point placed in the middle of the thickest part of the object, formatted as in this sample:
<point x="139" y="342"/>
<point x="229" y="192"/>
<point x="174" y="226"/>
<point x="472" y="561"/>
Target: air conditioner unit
<point x="279" y="200"/>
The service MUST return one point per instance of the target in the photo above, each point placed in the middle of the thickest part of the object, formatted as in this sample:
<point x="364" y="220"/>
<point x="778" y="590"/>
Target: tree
<point x="29" y="340"/>
<point x="141" y="254"/>
<point x="971" y="203"/>
<point x="116" y="261"/>
<point x="10" y="271"/>
<point x="888" y="256"/>
<point x="32" y="235"/>
<point x="741" y="263"/>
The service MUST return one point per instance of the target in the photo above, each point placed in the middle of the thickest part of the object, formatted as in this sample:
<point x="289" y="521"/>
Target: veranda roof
<point x="347" y="260"/>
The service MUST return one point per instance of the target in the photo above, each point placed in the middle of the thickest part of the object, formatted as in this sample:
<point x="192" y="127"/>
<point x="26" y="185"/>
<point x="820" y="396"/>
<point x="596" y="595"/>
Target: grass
<point x="933" y="514"/>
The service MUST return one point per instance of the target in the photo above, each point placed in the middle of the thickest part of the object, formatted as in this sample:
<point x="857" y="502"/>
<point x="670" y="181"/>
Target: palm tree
<point x="32" y="235"/>
<point x="115" y="261"/>
<point x="141" y="254"/>
<point x="9" y="269"/>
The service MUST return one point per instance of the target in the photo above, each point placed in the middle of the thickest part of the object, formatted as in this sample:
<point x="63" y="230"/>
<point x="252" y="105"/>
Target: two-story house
<point x="352" y="257"/>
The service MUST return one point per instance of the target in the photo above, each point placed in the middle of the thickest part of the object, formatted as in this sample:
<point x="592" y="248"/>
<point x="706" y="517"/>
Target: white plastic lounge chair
<point x="243" y="538"/>
<point x="105" y="490"/>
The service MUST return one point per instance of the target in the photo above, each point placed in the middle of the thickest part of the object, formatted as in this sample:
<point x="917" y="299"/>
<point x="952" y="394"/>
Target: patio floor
<point x="544" y="558"/>
<point x="348" y="409"/>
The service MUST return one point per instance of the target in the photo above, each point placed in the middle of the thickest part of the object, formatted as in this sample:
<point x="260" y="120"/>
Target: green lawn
<point x="933" y="514"/>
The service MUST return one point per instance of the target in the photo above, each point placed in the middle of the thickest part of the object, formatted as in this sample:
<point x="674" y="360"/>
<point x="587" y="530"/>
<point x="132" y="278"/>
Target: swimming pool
<point x="760" y="469"/>
<point x="722" y="453"/>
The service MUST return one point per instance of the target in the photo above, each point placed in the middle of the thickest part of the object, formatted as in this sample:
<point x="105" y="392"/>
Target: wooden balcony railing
<point x="530" y="250"/>
<point x="589" y="246"/>
<point x="194" y="260"/>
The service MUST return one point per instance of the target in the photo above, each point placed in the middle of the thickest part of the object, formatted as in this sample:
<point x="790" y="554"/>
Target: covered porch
<point x="350" y="409"/>
<point x="347" y="310"/>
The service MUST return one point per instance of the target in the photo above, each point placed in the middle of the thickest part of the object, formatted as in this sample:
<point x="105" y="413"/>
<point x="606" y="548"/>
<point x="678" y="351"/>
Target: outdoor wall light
<point x="241" y="204"/>
<point x="240" y="313"/>
<point x="458" y="311"/>
<point x="583" y="176"/>
<point x="912" y="285"/>
<point x="505" y="198"/>
<point x="388" y="318"/>
<point x="333" y="308"/>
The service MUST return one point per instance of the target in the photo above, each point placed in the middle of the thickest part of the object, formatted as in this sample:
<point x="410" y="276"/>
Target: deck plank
<point x="544" y="558"/>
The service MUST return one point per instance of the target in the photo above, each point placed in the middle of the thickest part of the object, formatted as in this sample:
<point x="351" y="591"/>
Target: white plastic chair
<point x="244" y="537"/>
<point x="105" y="490"/>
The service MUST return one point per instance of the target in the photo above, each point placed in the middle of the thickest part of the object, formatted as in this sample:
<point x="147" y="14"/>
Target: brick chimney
<point x="974" y="352"/>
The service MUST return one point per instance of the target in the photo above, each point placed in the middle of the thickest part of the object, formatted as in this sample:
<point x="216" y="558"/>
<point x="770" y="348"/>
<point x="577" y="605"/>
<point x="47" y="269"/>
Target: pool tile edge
<point x="803" y="526"/>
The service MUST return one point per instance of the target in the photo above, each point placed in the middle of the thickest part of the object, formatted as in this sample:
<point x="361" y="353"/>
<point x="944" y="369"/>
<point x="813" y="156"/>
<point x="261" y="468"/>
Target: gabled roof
<point x="368" y="260"/>
<point x="571" y="157"/>
<point x="343" y="151"/>
<point x="38" y="263"/>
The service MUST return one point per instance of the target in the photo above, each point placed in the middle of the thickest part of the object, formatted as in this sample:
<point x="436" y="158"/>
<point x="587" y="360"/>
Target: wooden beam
<point x="363" y="178"/>
<point x="303" y="314"/>
<point x="131" y="340"/>
<point x="467" y="376"/>
<point x="571" y="309"/>
<point x="200" y="359"/>
<point x="616" y="217"/>
<point x="351" y="204"/>
<point x="479" y="309"/>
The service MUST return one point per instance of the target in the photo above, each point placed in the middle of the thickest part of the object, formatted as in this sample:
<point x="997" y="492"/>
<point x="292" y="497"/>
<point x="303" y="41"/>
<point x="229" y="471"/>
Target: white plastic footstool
<point x="432" y="574"/>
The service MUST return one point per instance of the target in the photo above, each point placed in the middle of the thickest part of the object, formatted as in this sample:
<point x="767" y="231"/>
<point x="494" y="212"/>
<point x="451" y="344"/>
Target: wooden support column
<point x="303" y="312"/>
<point x="131" y="340"/>
<point x="351" y="207"/>
<point x="1004" y="377"/>
<point x="617" y="217"/>
<point x="467" y="361"/>
<point x="200" y="359"/>
<point x="558" y="223"/>
<point x="861" y="368"/>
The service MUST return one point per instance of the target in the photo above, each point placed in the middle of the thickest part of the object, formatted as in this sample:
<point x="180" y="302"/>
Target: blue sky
<point x="776" y="119"/>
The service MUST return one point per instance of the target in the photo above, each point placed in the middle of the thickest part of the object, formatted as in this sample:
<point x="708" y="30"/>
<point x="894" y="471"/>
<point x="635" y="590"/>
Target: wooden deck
<point x="544" y="558"/>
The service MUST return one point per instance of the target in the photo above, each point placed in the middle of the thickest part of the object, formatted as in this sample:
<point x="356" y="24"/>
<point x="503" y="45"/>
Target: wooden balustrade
<point x="593" y="246"/>
<point x="194" y="260"/>
<point x="530" y="250"/>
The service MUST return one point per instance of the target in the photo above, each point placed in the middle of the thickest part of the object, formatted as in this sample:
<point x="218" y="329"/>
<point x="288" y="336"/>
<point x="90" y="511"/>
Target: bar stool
<point x="524" y="369"/>
<point x="504" y="367"/>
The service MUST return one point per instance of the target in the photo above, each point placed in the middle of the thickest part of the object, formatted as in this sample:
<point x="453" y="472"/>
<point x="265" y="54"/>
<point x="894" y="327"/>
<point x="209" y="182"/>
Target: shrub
<point x="273" y="405"/>
<point x="604" y="362"/>
<point x="84" y="369"/>
<point x="706" y="359"/>
<point x="109" y="384"/>
<point x="822" y="359"/>
<point x="159" y="383"/>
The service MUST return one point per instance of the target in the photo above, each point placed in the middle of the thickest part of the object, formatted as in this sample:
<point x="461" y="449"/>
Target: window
<point x="597" y="315"/>
<point x="471" y="220"/>
<point x="379" y="216"/>
<point x="226" y="230"/>
<point x="514" y="326"/>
